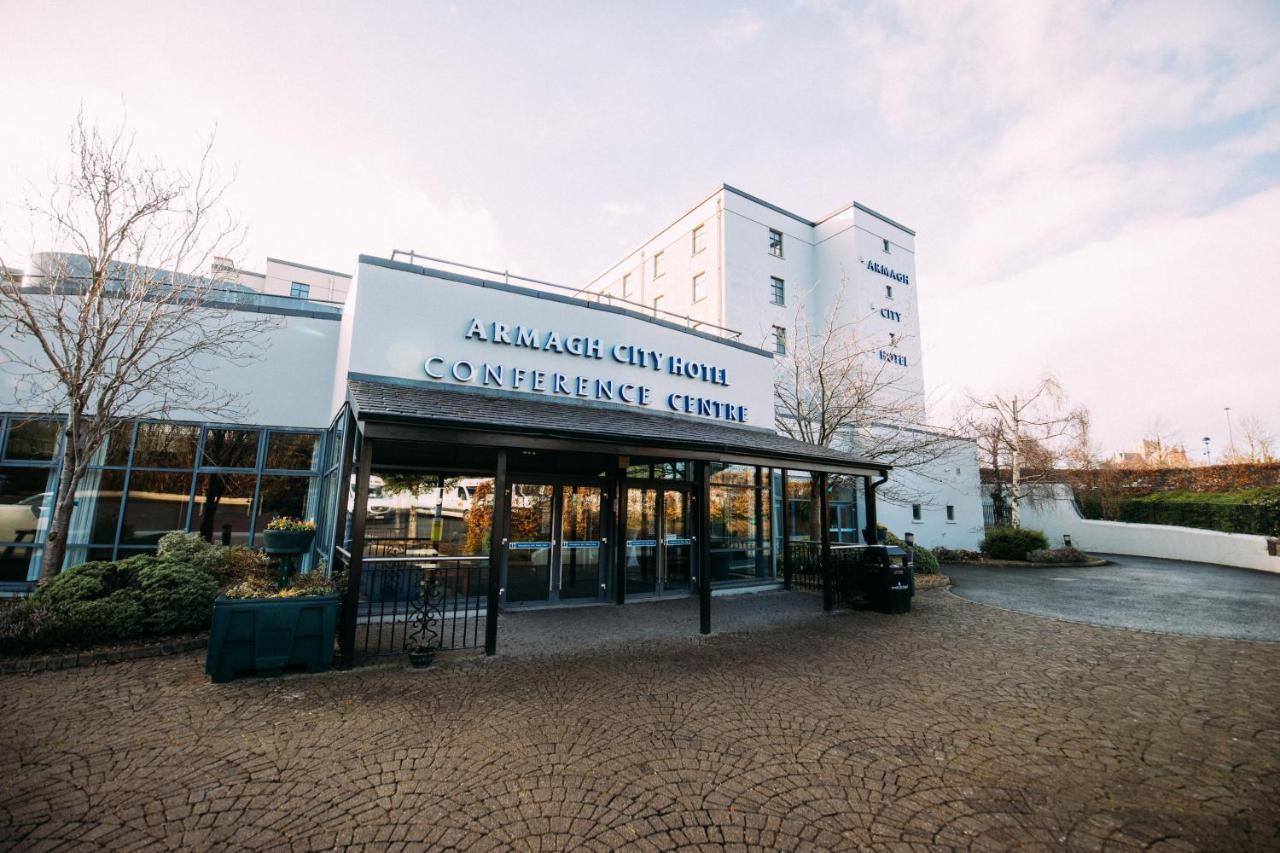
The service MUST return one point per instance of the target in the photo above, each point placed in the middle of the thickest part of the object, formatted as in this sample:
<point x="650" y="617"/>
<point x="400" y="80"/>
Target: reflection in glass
<point x="230" y="448"/>
<point x="292" y="451"/>
<point x="165" y="446"/>
<point x="16" y="564"/>
<point x="580" y="542"/>
<point x="115" y="451"/>
<point x="741" y="534"/>
<point x="93" y="521"/>
<point x="283" y="496"/>
<point x="641" y="543"/>
<point x="676" y="540"/>
<point x="157" y="504"/>
<point x="30" y="440"/>
<point x="25" y="495"/>
<point x="222" y="506"/>
<point x="529" y="544"/>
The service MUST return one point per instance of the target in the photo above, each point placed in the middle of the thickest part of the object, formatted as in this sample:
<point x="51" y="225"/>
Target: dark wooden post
<point x="351" y="601"/>
<point x="702" y="497"/>
<point x="786" y="534"/>
<point x="869" y="494"/>
<point x="828" y="585"/>
<point x="497" y="552"/>
<point x="620" y="546"/>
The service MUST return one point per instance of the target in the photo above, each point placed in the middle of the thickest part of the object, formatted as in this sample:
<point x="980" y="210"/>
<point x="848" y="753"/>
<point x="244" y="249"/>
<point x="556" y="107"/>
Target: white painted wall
<point x="1054" y="511"/>
<point x="279" y="388"/>
<point x="951" y="480"/>
<point x="398" y="318"/>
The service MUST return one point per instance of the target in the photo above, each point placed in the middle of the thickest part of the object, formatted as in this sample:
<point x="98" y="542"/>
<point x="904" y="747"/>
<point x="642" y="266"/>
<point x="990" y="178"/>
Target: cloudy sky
<point x="1096" y="187"/>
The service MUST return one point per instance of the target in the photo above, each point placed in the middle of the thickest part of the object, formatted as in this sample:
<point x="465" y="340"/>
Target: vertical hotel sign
<point x="632" y="360"/>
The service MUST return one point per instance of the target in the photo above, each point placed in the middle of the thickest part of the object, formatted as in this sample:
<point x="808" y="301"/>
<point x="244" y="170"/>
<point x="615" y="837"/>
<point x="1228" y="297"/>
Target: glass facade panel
<point x="156" y="504"/>
<point x="230" y="448"/>
<point x="116" y="450"/>
<point x="31" y="440"/>
<point x="283" y="496"/>
<point x="221" y="510"/>
<point x="293" y="451"/>
<point x="93" y="521"/>
<point x="25" y="494"/>
<point x="741" y="529"/>
<point x="15" y="563"/>
<point x="165" y="446"/>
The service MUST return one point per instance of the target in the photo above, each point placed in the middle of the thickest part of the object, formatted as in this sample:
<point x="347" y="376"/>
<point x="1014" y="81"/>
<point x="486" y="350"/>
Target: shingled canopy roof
<point x="507" y="418"/>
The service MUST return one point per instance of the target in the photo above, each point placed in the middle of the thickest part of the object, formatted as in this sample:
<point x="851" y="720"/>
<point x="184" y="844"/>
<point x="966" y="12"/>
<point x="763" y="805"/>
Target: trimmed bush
<point x="228" y="565"/>
<point x="28" y="626"/>
<point x="88" y="582"/>
<point x="956" y="555"/>
<point x="926" y="563"/>
<point x="1058" y="555"/>
<point x="1012" y="543"/>
<point x="177" y="597"/>
<point x="119" y="616"/>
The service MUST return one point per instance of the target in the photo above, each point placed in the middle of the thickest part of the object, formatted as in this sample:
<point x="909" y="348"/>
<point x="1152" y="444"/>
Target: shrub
<point x="177" y="596"/>
<point x="88" y="582"/>
<point x="228" y="565"/>
<point x="28" y="625"/>
<point x="926" y="563"/>
<point x="119" y="616"/>
<point x="1012" y="543"/>
<point x="956" y="555"/>
<point x="1058" y="555"/>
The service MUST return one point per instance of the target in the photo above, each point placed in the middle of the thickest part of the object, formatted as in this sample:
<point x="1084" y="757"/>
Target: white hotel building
<point x="739" y="262"/>
<point x="532" y="444"/>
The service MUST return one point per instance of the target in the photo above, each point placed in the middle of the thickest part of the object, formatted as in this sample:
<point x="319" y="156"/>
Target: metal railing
<point x="577" y="293"/>
<point x="807" y="570"/>
<point x="403" y="601"/>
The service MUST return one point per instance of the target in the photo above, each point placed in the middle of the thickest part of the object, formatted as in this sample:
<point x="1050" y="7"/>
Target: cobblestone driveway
<point x="959" y="726"/>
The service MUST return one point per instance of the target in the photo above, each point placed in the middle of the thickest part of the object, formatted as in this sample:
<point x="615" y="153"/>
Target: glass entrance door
<point x="554" y="543"/>
<point x="530" y="542"/>
<point x="658" y="550"/>
<point x="578" y="566"/>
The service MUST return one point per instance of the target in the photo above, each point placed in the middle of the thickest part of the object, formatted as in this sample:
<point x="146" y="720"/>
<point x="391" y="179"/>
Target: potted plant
<point x="261" y="628"/>
<point x="287" y="536"/>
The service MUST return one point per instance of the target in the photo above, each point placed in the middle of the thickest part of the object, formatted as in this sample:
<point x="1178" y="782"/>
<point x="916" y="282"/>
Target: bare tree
<point x="1023" y="428"/>
<point x="121" y="321"/>
<point x="841" y="385"/>
<point x="1256" y="444"/>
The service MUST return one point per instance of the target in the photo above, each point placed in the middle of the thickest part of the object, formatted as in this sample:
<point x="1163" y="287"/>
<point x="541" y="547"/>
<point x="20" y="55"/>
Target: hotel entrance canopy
<point x="414" y="411"/>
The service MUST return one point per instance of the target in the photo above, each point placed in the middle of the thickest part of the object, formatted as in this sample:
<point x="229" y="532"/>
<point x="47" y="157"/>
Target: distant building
<point x="286" y="278"/>
<point x="1153" y="453"/>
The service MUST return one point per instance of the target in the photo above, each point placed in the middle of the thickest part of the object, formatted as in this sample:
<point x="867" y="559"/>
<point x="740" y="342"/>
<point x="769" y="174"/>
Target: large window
<point x="741" y="534"/>
<point x="626" y="285"/>
<point x="298" y="290"/>
<point x="699" y="239"/>
<point x="779" y="340"/>
<point x="147" y="480"/>
<point x="699" y="287"/>
<point x="659" y="265"/>
<point x="775" y="243"/>
<point x="778" y="290"/>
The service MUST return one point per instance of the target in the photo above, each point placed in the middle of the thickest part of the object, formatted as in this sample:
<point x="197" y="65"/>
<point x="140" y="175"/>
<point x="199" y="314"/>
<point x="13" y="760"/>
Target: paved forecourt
<point x="1142" y="593"/>
<point x="959" y="726"/>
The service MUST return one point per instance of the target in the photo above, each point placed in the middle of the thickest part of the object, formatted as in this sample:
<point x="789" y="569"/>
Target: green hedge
<point x="926" y="562"/>
<point x="1012" y="543"/>
<point x="94" y="603"/>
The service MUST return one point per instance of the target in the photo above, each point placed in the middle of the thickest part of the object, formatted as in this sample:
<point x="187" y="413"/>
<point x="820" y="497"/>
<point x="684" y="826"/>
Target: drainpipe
<point x="869" y="492"/>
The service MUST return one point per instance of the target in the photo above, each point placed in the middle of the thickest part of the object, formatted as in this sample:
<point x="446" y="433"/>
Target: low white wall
<point x="1055" y="513"/>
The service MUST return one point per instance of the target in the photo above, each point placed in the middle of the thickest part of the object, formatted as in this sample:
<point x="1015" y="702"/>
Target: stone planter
<point x="266" y="636"/>
<point x="284" y="543"/>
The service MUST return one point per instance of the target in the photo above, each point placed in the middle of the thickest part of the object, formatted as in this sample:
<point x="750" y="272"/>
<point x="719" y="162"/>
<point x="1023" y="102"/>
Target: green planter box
<point x="266" y="636"/>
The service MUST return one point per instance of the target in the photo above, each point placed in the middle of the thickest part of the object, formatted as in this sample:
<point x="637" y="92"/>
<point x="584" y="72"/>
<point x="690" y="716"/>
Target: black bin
<point x="888" y="578"/>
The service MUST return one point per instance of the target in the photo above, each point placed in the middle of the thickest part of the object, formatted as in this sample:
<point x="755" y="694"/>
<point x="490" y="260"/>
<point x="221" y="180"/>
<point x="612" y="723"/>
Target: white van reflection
<point x="454" y="498"/>
<point x="19" y="520"/>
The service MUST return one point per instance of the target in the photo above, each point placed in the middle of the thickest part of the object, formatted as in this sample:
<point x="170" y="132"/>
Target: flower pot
<point x="266" y="636"/>
<point x="421" y="658"/>
<point x="287" y="542"/>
